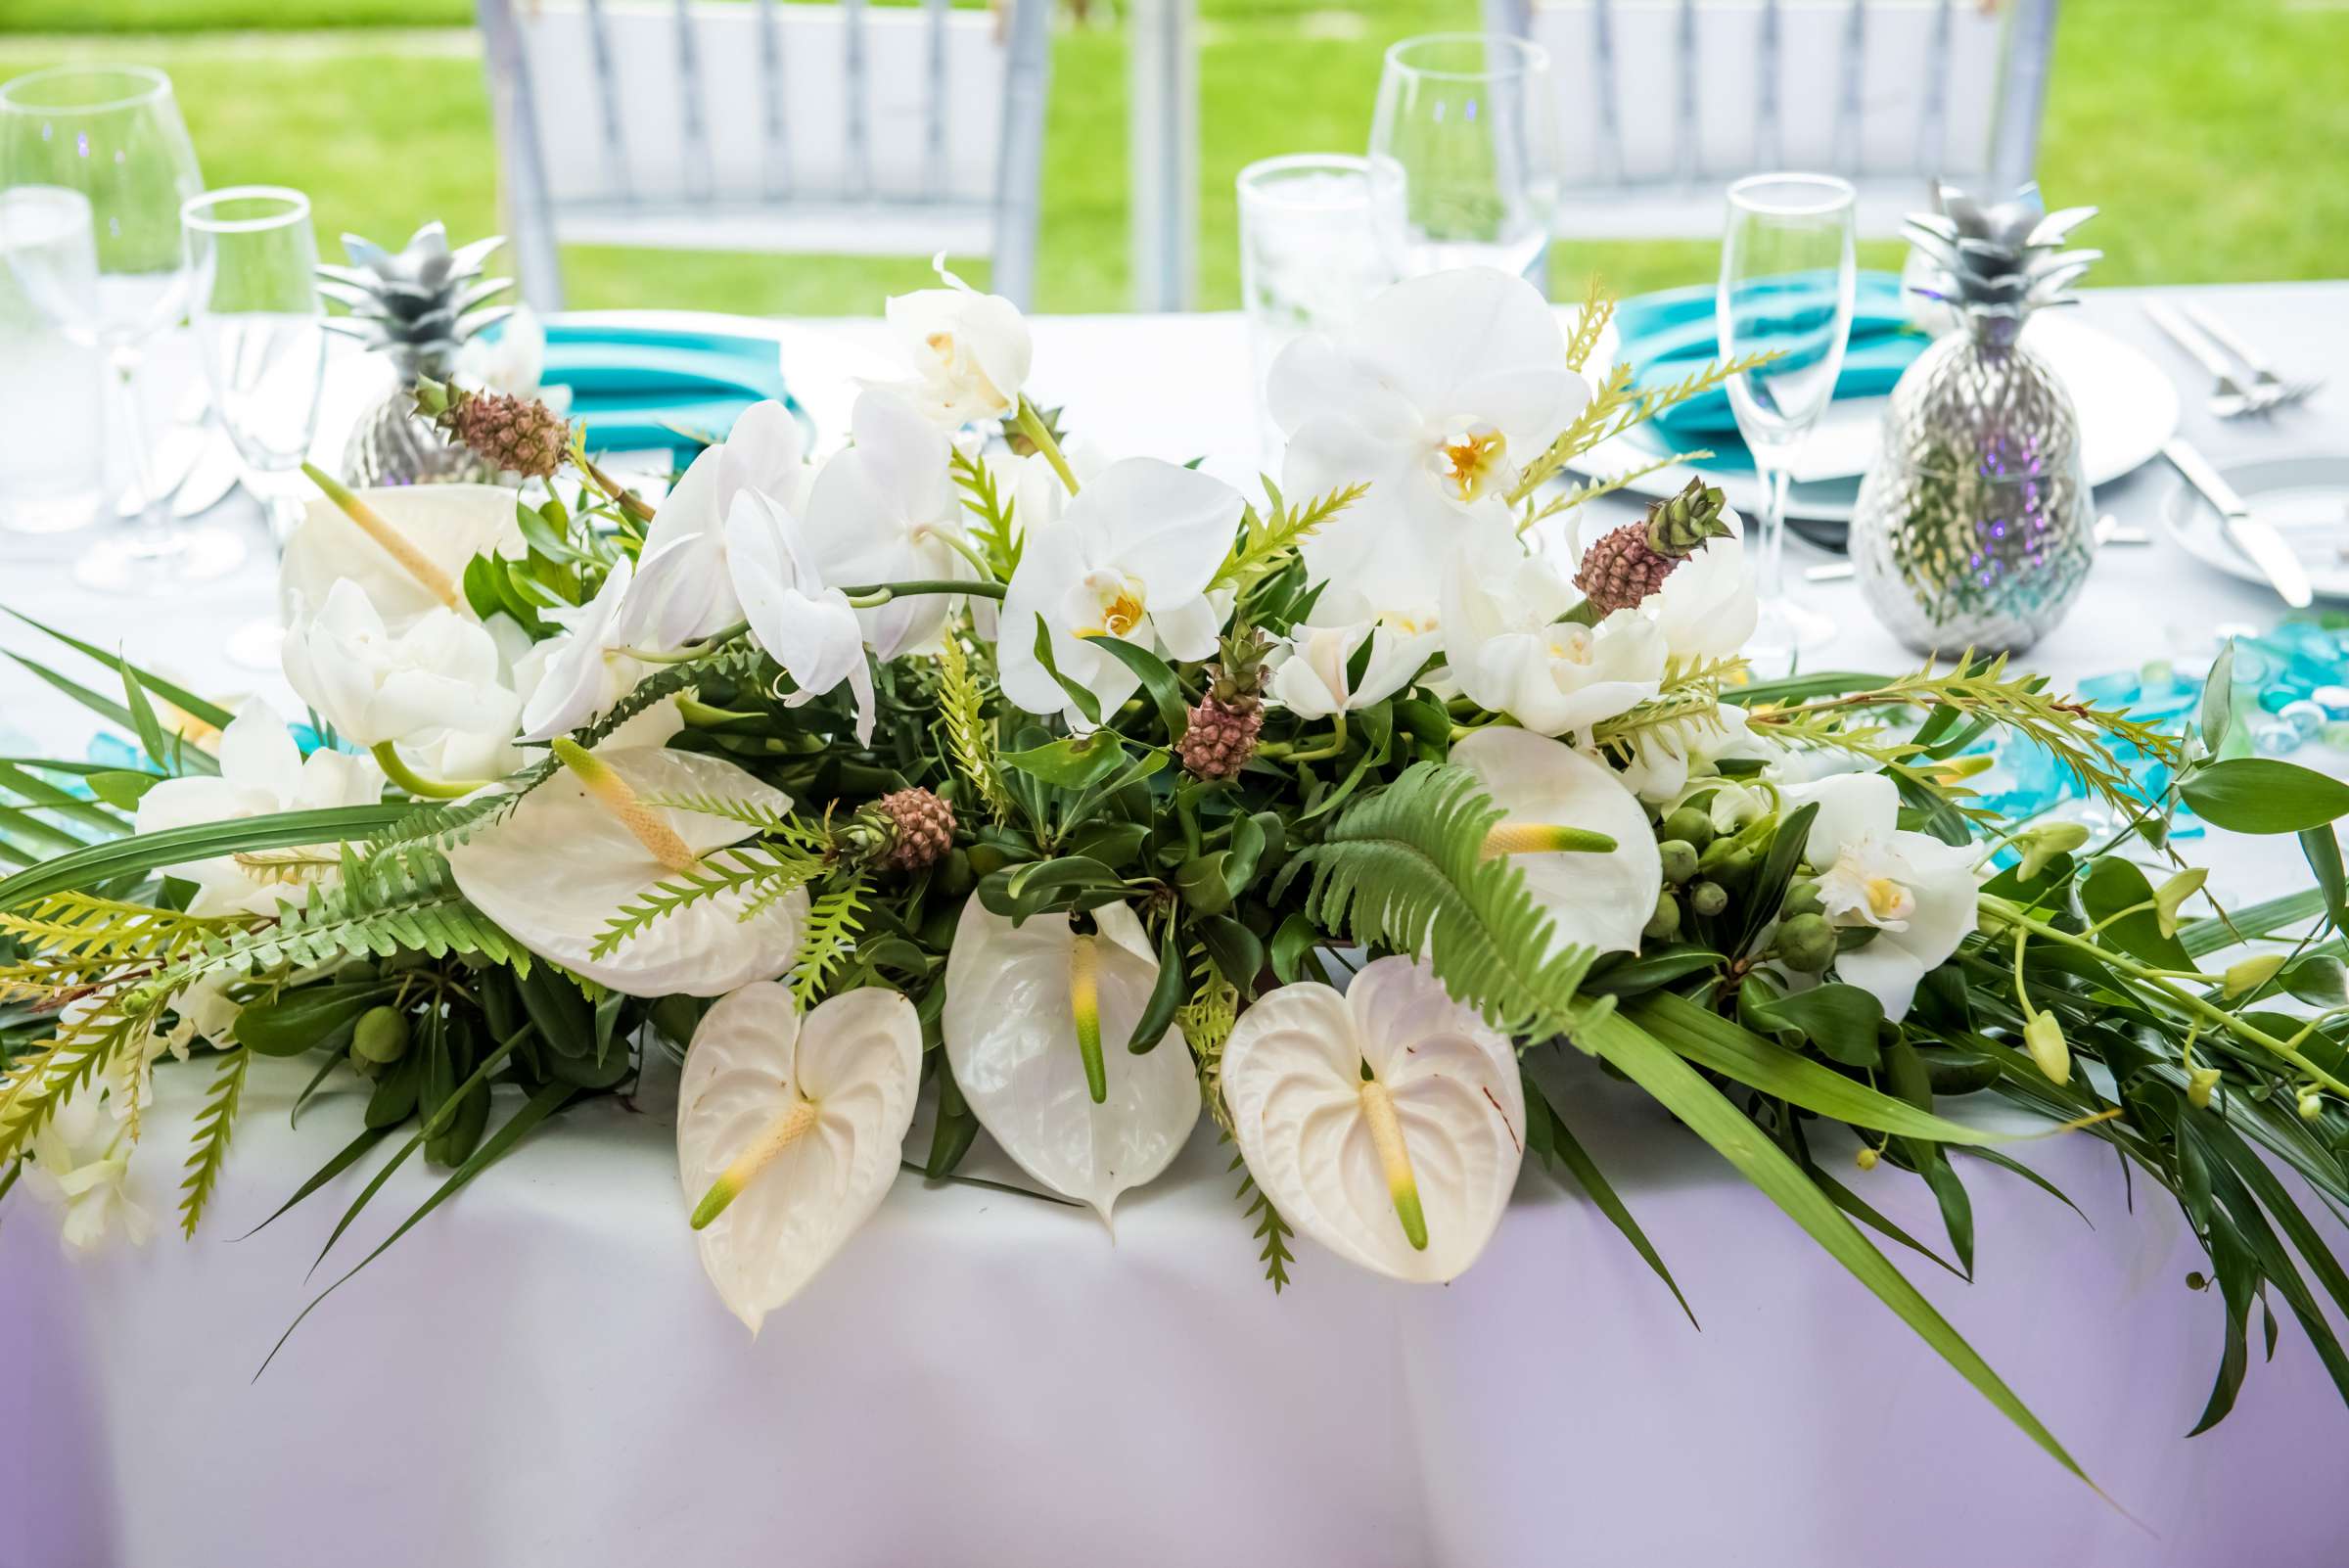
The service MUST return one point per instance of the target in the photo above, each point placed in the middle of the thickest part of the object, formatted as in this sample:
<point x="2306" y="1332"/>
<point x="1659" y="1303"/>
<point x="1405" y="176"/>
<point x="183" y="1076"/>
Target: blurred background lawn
<point x="2212" y="132"/>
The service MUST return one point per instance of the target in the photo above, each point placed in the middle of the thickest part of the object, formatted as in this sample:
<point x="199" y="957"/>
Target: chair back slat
<point x="1932" y="115"/>
<point x="1683" y="128"/>
<point x="775" y="165"/>
<point x="608" y="100"/>
<point x="694" y="177"/>
<point x="933" y="165"/>
<point x="1770" y="128"/>
<point x="858" y="183"/>
<point x="1853" y="60"/>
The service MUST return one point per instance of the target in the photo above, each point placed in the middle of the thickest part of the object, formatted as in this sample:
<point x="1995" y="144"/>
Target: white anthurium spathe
<point x="807" y="627"/>
<point x="1132" y="557"/>
<point x="969" y="351"/>
<point x="1918" y="892"/>
<point x="414" y="568"/>
<point x="1509" y="645"/>
<point x="1593" y="898"/>
<point x="1311" y="668"/>
<point x="261" y="772"/>
<point x="1437" y="395"/>
<point x="1404" y="1171"/>
<point x="81" y="1164"/>
<point x="789" y="1133"/>
<point x="886" y="510"/>
<point x="590" y="840"/>
<point x="575" y="676"/>
<point x="436" y="676"/>
<point x="684" y="588"/>
<point x="1037" y="1022"/>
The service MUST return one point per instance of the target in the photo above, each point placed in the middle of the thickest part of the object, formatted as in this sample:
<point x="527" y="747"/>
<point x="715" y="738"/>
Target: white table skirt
<point x="540" y="1375"/>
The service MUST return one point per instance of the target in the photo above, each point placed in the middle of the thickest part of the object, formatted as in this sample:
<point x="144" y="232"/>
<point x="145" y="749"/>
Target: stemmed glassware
<point x="1787" y="274"/>
<point x="114" y="133"/>
<point x="1465" y="152"/>
<point x="252" y="260"/>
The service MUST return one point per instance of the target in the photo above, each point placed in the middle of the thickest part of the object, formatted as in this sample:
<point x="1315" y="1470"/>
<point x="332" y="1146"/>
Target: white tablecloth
<point x="540" y="1375"/>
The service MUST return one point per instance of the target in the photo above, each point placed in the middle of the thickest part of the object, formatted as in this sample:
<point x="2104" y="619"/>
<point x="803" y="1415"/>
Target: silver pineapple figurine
<point x="416" y="308"/>
<point x="1974" y="526"/>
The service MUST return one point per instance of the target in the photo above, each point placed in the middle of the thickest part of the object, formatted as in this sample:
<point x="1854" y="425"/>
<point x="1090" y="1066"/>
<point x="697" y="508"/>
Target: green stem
<point x="692" y="650"/>
<point x="702" y="716"/>
<point x="1336" y="746"/>
<point x="953" y="540"/>
<point x="1032" y="425"/>
<point x="396" y="770"/>
<point x="880" y="593"/>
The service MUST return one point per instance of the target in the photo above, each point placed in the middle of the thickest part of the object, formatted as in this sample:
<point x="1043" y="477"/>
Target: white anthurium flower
<point x="1664" y="758"/>
<point x="1436" y="395"/>
<point x="1310" y="667"/>
<point x="884" y="510"/>
<point x="1037" y="1022"/>
<point x="1918" y="892"/>
<point x="589" y="842"/>
<point x="512" y="362"/>
<point x="809" y="628"/>
<point x="80" y="1163"/>
<point x="261" y="772"/>
<point x="412" y="570"/>
<point x="970" y="351"/>
<point x="789" y="1133"/>
<point x="683" y="589"/>
<point x="574" y="677"/>
<point x="438" y="676"/>
<point x="1404" y="1171"/>
<point x="1511" y="650"/>
<point x="1132" y="557"/>
<point x="1594" y="899"/>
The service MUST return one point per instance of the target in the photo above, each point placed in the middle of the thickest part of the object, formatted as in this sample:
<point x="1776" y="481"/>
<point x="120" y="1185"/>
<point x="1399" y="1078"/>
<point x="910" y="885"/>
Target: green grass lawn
<point x="2211" y="134"/>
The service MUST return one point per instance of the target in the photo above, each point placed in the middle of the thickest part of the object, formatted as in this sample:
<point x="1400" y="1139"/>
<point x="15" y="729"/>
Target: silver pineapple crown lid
<point x="420" y="303"/>
<point x="2004" y="260"/>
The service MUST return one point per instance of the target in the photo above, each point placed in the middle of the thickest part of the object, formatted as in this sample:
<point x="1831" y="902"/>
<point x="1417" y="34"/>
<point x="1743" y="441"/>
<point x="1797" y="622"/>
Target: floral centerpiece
<point x="1080" y="798"/>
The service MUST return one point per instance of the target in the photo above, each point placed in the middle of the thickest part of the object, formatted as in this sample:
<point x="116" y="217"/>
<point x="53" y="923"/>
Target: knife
<point x="2259" y="541"/>
<point x="213" y="474"/>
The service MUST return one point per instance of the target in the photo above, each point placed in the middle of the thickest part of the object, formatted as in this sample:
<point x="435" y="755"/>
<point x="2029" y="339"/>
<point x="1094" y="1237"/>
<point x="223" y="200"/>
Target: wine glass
<point x="114" y="133"/>
<point x="1786" y="278"/>
<point x="1465" y="152"/>
<point x="252" y="262"/>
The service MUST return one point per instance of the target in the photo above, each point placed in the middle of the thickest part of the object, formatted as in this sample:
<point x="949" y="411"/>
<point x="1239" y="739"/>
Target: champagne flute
<point x="114" y="133"/>
<point x="1787" y="273"/>
<point x="1464" y="153"/>
<point x="252" y="262"/>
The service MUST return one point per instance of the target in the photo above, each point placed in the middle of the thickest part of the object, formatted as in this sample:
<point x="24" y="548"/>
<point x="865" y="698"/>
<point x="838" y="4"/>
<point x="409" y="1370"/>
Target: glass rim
<point x="1527" y="56"/>
<point x="294" y="207"/>
<point x="1256" y="179"/>
<point x="156" y="85"/>
<point x="1835" y="194"/>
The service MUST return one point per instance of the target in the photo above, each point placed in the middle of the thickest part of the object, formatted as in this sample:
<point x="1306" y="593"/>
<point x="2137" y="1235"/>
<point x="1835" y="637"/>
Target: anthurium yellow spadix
<point x="1028" y="1012"/>
<point x="1387" y="1122"/>
<point x="789" y="1133"/>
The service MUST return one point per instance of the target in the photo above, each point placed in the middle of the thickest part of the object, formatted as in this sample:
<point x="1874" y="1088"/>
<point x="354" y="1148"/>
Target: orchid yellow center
<point x="1394" y="1161"/>
<point x="780" y="1133"/>
<point x="613" y="794"/>
<point x="958" y="366"/>
<point x="1471" y="462"/>
<point x="1887" y="899"/>
<point x="1120" y="605"/>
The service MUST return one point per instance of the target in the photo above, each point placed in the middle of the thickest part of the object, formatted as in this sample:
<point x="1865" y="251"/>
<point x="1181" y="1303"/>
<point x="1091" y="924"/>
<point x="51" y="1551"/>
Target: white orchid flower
<point x="1512" y="651"/>
<point x="1918" y="892"/>
<point x="512" y="362"/>
<point x="683" y="589"/>
<point x="1708" y="606"/>
<point x="884" y="510"/>
<point x="1035" y="1023"/>
<point x="409" y="562"/>
<point x="970" y="351"/>
<point x="80" y="1163"/>
<point x="807" y="627"/>
<point x="440" y="677"/>
<point x="574" y="678"/>
<point x="589" y="842"/>
<point x="261" y="772"/>
<point x="1132" y="558"/>
<point x="1404" y="1169"/>
<point x="789" y="1133"/>
<point x="1594" y="900"/>
<point x="1310" y="668"/>
<point x="1437" y="395"/>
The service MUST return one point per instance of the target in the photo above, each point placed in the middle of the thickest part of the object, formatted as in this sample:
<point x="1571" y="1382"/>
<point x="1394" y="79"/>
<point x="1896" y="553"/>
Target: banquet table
<point x="539" y="1373"/>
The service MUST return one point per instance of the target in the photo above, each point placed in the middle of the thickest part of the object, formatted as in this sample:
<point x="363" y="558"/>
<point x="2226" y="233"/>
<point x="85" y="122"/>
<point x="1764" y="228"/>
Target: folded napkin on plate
<point x="1667" y="336"/>
<point x="632" y="385"/>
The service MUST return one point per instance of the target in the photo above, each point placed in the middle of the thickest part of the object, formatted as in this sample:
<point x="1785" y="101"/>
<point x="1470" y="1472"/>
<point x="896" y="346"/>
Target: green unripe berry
<point x="1680" y="859"/>
<point x="1665" y="921"/>
<point x="1689" y="824"/>
<point x="1806" y="943"/>
<point x="1709" y="899"/>
<point x="1801" y="899"/>
<point x="382" y="1036"/>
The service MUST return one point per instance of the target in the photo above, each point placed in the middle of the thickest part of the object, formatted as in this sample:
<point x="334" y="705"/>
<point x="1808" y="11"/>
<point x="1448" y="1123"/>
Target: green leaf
<point x="142" y="717"/>
<point x="1235" y="949"/>
<point x="1651" y="971"/>
<point x="1086" y="703"/>
<point x="1292" y="946"/>
<point x="187" y="702"/>
<point x="1074" y="762"/>
<point x="1786" y="849"/>
<point x="2212" y="932"/>
<point x="147" y="852"/>
<point x="956" y="1129"/>
<point x="1840" y="1020"/>
<point x="123" y="789"/>
<point x="2218" y="699"/>
<point x="1545" y="1069"/>
<point x="1857" y="1208"/>
<point x="2263" y="795"/>
<point x="41" y="793"/>
<point x="2322" y="849"/>
<point x="1685" y="1094"/>
<point x="299" y="1021"/>
<point x="2315" y="978"/>
<point x="1167" y="995"/>
<point x="1158" y="682"/>
<point x="2113" y="885"/>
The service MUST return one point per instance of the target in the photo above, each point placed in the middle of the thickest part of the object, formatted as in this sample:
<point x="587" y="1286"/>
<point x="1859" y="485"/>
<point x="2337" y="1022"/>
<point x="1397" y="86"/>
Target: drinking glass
<point x="52" y="396"/>
<point x="1465" y="152"/>
<point x="114" y="133"/>
<point x="1786" y="280"/>
<point x="1310" y="258"/>
<point x="252" y="262"/>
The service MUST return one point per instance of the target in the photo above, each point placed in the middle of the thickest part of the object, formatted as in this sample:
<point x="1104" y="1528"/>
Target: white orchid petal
<point x="1166" y="526"/>
<point x="1593" y="901"/>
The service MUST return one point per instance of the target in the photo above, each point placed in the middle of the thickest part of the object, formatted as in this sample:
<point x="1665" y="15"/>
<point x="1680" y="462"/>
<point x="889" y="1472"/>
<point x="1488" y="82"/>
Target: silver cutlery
<point x="2108" y="530"/>
<point x="2267" y="382"/>
<point x="2229" y="398"/>
<point x="2259" y="541"/>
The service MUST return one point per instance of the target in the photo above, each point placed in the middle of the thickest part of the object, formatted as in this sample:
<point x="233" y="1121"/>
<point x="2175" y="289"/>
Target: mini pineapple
<point x="511" y="435"/>
<point x="1630" y="563"/>
<point x="416" y="308"/>
<point x="1225" y="722"/>
<point x="925" y="829"/>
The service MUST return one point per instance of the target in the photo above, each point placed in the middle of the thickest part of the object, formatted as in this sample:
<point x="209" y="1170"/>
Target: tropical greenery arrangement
<point x="1080" y="798"/>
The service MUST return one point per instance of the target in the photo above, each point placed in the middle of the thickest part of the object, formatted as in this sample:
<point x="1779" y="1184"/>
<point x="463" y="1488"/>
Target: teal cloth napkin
<point x="1666" y="335"/>
<point x="631" y="384"/>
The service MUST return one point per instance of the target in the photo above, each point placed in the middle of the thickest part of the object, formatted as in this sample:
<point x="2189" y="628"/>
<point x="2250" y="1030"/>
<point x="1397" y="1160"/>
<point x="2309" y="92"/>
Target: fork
<point x="2229" y="398"/>
<point x="2266" y="382"/>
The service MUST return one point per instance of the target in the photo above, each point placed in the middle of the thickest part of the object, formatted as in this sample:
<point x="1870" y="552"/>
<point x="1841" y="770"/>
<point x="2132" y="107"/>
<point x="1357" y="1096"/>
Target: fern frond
<point x="756" y="815"/>
<point x="1688" y="701"/>
<point x="1206" y="1022"/>
<point x="1568" y="500"/>
<point x="1405" y="870"/>
<point x="215" y="1125"/>
<point x="1618" y="406"/>
<point x="1266" y="540"/>
<point x="104" y="931"/>
<point x="996" y="533"/>
<point x="1274" y="1232"/>
<point x="970" y="738"/>
<point x="767" y="873"/>
<point x="90" y="1033"/>
<point x="1599" y="308"/>
<point x="833" y="922"/>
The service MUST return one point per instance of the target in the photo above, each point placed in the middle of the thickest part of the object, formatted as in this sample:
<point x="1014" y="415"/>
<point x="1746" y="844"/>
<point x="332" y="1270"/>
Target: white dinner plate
<point x="2128" y="407"/>
<point x="2305" y="499"/>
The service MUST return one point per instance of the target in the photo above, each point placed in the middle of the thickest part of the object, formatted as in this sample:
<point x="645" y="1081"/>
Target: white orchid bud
<point x="970" y="351"/>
